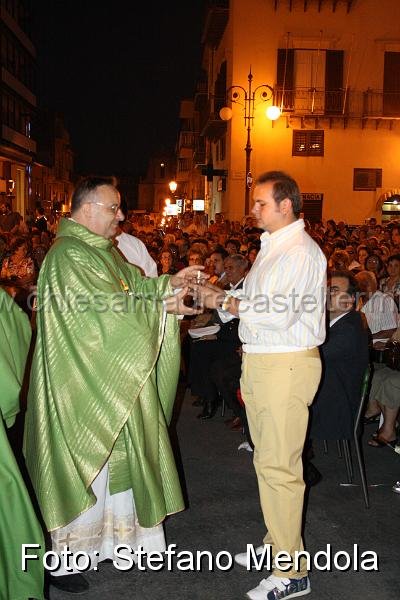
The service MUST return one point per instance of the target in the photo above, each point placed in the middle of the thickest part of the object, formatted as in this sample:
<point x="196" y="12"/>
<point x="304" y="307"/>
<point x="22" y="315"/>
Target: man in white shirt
<point x="382" y="317"/>
<point x="380" y="309"/>
<point x="282" y="323"/>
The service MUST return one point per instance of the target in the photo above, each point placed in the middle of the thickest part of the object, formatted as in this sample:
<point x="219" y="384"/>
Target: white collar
<point x="234" y="287"/>
<point x="283" y="232"/>
<point x="336" y="319"/>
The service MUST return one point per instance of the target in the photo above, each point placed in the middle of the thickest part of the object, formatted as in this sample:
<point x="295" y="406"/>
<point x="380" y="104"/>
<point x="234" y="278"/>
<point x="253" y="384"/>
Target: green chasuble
<point x="103" y="382"/>
<point x="18" y="523"/>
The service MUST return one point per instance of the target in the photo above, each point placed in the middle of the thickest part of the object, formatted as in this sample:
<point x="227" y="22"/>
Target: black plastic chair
<point x="344" y="445"/>
<point x="358" y="433"/>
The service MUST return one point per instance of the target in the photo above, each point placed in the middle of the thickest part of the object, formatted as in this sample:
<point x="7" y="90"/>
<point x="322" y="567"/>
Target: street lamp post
<point x="247" y="98"/>
<point x="172" y="186"/>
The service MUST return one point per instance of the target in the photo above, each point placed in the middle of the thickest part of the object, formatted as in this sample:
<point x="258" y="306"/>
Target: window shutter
<point x="367" y="179"/>
<point x="299" y="147"/>
<point x="316" y="143"/>
<point x="334" y="81"/>
<point x="308" y="143"/>
<point x="282" y="82"/>
<point x="391" y="84"/>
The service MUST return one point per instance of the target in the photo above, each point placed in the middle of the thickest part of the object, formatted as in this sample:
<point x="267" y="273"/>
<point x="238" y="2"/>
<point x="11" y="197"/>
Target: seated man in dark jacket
<point x="345" y="358"/>
<point x="212" y="358"/>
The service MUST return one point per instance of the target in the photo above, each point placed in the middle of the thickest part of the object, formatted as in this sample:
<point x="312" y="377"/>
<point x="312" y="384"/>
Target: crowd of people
<point x="224" y="342"/>
<point x="370" y="252"/>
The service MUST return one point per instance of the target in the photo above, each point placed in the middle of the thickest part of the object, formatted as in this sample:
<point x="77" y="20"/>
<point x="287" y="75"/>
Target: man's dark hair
<point x="340" y="243"/>
<point x="352" y="288"/>
<point x="233" y="241"/>
<point x="284" y="186"/>
<point x="85" y="187"/>
<point x="221" y="251"/>
<point x="256" y="245"/>
<point x="17" y="243"/>
<point x="393" y="257"/>
<point x="201" y="240"/>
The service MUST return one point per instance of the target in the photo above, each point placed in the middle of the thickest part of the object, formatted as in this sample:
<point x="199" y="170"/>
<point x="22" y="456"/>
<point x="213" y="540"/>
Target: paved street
<point x="223" y="514"/>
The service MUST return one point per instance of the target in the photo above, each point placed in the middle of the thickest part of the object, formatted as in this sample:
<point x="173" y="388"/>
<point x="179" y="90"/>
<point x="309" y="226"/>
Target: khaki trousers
<point x="277" y="390"/>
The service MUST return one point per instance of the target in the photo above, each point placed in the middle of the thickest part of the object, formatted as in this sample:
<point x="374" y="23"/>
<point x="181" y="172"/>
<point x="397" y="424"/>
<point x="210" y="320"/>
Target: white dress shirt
<point x="282" y="306"/>
<point x="381" y="313"/>
<point x="136" y="253"/>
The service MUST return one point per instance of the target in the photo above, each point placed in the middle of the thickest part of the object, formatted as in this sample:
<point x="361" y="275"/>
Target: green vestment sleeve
<point x="103" y="382"/>
<point x="18" y="522"/>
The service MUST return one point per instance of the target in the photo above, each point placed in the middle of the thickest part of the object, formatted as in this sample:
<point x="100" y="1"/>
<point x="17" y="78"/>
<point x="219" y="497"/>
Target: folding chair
<point x="344" y="445"/>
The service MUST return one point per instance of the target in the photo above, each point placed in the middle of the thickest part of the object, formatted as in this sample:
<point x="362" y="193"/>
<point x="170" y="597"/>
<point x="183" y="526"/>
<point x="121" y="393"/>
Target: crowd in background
<point x="190" y="240"/>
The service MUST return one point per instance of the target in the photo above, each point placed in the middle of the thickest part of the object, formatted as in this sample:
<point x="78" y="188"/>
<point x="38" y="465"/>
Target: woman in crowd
<point x="391" y="283"/>
<point x="252" y="253"/>
<point x="195" y="257"/>
<point x="384" y="251"/>
<point x="339" y="261"/>
<point x="165" y="262"/>
<point x="362" y="255"/>
<point x="375" y="264"/>
<point x="331" y="230"/>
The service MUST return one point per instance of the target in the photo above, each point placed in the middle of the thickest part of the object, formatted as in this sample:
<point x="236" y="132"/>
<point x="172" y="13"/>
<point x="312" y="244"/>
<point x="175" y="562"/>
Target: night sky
<point x="117" y="70"/>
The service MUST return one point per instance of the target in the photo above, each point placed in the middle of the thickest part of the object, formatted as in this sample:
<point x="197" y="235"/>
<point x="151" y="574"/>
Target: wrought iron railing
<point x="377" y="103"/>
<point x="186" y="139"/>
<point x="349" y="103"/>
<point x="199" y="154"/>
<point x="209" y="118"/>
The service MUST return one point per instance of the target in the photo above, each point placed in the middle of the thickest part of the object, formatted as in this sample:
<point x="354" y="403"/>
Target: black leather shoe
<point x="74" y="584"/>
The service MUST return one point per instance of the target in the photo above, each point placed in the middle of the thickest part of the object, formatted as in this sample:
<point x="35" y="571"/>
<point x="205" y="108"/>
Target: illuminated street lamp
<point x="247" y="99"/>
<point x="172" y="186"/>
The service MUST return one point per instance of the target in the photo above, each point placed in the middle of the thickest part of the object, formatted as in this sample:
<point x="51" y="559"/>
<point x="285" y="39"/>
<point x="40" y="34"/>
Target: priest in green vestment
<point x="104" y="371"/>
<point x="18" y="522"/>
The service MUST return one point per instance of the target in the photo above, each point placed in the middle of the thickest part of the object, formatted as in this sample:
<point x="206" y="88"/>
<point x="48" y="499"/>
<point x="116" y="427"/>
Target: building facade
<point x="333" y="67"/>
<point x="153" y="188"/>
<point x="190" y="158"/>
<point x="52" y="175"/>
<point x="18" y="103"/>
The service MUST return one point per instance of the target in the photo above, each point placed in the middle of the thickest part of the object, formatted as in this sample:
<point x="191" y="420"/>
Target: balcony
<point x="200" y="96"/>
<point x="378" y="104"/>
<point x="305" y="4"/>
<point x="199" y="154"/>
<point x="17" y="139"/>
<point x="211" y="126"/>
<point x="314" y="102"/>
<point x="184" y="167"/>
<point x="216" y="21"/>
<point x="186" y="139"/>
<point x="310" y="101"/>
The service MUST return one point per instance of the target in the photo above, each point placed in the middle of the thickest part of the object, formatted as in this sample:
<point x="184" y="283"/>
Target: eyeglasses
<point x="113" y="207"/>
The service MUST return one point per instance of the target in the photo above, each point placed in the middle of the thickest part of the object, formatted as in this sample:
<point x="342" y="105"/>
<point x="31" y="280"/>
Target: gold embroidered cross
<point x="125" y="287"/>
